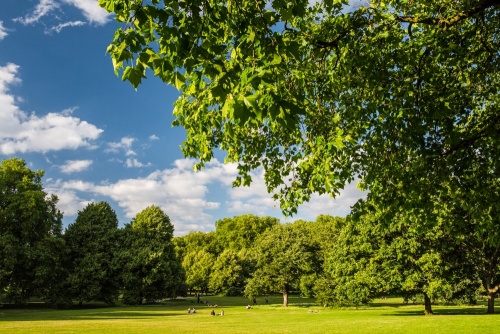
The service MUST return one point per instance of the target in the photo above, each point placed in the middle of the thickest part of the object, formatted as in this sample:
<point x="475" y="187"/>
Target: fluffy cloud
<point x="154" y="137"/>
<point x="3" y="31"/>
<point x="23" y="133"/>
<point x="134" y="163"/>
<point x="91" y="10"/>
<point x="125" y="144"/>
<point x="182" y="193"/>
<point x="190" y="198"/>
<point x="72" y="166"/>
<point x="69" y="201"/>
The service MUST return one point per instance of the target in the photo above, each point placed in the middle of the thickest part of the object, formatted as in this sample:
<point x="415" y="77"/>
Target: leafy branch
<point x="445" y="23"/>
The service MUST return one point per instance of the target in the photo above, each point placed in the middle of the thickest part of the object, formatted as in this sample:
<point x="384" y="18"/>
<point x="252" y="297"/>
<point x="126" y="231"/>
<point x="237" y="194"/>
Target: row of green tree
<point x="341" y="261"/>
<point x="374" y="252"/>
<point x="91" y="260"/>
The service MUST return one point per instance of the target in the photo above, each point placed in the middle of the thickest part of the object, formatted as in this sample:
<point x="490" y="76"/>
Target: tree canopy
<point x="151" y="270"/>
<point x="283" y="256"/>
<point x="322" y="94"/>
<point x="92" y="245"/>
<point x="241" y="231"/>
<point x="30" y="223"/>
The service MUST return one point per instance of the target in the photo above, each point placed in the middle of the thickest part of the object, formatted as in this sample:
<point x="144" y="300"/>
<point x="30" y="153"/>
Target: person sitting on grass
<point x="189" y="310"/>
<point x="222" y="312"/>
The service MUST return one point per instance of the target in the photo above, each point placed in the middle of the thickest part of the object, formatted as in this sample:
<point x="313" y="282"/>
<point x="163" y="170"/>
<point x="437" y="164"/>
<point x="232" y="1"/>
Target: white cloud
<point x="191" y="199"/>
<point x="69" y="202"/>
<point x="182" y="193"/>
<point x="23" y="133"/>
<point x="131" y="162"/>
<point x="72" y="166"/>
<point x="61" y="26"/>
<point x="125" y="144"/>
<point x="154" y="137"/>
<point x="91" y="10"/>
<point x="43" y="8"/>
<point x="3" y="31"/>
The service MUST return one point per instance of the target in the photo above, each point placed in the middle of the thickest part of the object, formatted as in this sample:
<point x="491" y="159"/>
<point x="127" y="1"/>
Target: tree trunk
<point x="489" y="274"/>
<point x="285" y="298"/>
<point x="427" y="305"/>
<point x="491" y="302"/>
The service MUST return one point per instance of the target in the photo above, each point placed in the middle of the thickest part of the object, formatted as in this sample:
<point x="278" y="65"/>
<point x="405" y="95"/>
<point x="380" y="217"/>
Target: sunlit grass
<point x="302" y="316"/>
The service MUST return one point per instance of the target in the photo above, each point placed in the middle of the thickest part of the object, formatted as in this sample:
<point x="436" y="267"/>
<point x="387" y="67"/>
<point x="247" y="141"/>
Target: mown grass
<point x="302" y="316"/>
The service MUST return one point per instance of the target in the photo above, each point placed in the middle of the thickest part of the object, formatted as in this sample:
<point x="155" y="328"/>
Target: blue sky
<point x="63" y="110"/>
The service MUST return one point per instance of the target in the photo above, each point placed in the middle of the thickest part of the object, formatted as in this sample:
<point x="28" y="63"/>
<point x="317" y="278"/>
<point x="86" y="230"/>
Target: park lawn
<point x="383" y="316"/>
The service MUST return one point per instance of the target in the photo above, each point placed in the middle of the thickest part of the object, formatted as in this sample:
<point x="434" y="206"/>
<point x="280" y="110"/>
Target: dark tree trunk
<point x="491" y="302"/>
<point x="427" y="305"/>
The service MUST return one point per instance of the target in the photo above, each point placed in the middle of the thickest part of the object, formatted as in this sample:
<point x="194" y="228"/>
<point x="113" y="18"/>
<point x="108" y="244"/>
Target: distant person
<point x="254" y="301"/>
<point x="248" y="307"/>
<point x="189" y="310"/>
<point x="194" y="310"/>
<point x="267" y="300"/>
<point x="222" y="312"/>
<point x="212" y="313"/>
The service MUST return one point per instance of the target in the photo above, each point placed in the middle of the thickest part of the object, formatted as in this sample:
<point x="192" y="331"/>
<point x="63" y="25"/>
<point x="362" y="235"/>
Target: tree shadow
<point x="92" y="311"/>
<point x="447" y="310"/>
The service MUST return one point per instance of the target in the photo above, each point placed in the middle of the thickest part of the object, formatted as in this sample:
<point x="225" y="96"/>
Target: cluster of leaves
<point x="321" y="94"/>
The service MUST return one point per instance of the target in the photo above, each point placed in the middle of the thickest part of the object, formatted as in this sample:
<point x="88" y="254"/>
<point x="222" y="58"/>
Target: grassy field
<point x="302" y="316"/>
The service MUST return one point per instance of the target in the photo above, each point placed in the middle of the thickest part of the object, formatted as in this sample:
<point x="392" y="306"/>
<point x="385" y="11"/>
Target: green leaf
<point x="179" y="80"/>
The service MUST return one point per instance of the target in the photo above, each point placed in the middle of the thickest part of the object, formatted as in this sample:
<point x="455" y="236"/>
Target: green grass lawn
<point x="383" y="316"/>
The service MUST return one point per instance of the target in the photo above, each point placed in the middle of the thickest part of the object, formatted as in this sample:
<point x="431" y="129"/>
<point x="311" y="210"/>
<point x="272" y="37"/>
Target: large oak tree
<point x="402" y="95"/>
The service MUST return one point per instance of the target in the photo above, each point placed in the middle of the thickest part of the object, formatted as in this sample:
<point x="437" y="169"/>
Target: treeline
<point x="91" y="260"/>
<point x="339" y="261"/>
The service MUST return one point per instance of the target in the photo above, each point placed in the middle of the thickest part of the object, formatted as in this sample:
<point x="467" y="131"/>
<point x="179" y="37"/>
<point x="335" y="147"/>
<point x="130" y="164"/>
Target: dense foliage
<point x="151" y="270"/>
<point x="30" y="226"/>
<point x="92" y="245"/>
<point x="323" y="93"/>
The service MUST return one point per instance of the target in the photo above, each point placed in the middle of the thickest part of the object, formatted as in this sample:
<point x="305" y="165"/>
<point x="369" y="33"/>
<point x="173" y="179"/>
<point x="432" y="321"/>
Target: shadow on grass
<point x="71" y="316"/>
<point x="446" y="310"/>
<point x="120" y="315"/>
<point x="88" y="311"/>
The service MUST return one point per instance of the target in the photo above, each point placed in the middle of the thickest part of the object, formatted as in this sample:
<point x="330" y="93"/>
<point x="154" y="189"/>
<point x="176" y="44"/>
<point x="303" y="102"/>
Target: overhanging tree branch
<point x="478" y="8"/>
